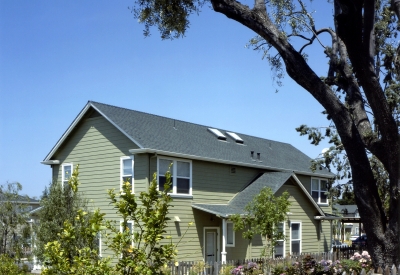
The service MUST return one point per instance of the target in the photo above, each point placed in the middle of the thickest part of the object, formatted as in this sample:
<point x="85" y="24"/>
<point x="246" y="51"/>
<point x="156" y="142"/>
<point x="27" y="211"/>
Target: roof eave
<point x="65" y="135"/>
<point x="210" y="211"/>
<point x="308" y="195"/>
<point x="50" y="162"/>
<point x="194" y="157"/>
<point x="327" y="218"/>
<point x="72" y="127"/>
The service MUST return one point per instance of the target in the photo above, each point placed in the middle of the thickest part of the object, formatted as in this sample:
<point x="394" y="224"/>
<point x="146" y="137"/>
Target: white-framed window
<point x="181" y="175"/>
<point x="230" y="234"/>
<point x="98" y="243"/>
<point x="129" y="226"/>
<point x="295" y="237"/>
<point x="66" y="170"/>
<point x="279" y="251"/>
<point x="127" y="171"/>
<point x="318" y="190"/>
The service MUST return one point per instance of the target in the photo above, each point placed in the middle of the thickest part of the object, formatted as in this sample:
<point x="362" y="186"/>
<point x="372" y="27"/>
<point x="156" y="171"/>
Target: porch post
<point x="331" y="239"/>
<point x="223" y="252"/>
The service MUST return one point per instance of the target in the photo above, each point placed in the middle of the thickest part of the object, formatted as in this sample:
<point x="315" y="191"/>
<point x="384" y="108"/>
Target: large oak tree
<point x="360" y="91"/>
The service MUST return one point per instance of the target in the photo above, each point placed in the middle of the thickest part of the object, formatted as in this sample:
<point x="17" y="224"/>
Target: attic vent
<point x="217" y="133"/>
<point x="235" y="137"/>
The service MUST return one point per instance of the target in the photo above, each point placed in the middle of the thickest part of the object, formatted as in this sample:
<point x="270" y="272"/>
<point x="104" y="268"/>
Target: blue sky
<point x="57" y="55"/>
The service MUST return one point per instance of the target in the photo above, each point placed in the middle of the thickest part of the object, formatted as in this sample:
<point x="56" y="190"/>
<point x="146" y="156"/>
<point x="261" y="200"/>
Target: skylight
<point x="217" y="133"/>
<point x="235" y="137"/>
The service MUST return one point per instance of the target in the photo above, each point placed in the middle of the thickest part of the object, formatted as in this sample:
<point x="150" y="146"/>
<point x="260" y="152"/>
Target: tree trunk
<point x="357" y="32"/>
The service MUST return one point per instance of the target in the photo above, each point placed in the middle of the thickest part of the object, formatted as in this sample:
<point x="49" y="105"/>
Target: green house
<point x="216" y="173"/>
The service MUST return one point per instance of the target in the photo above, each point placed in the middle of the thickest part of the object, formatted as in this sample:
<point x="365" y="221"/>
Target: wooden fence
<point x="218" y="268"/>
<point x="344" y="252"/>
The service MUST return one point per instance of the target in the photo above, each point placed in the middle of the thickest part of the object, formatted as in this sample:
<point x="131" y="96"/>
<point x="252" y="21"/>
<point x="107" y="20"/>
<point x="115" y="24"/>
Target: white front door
<point x="211" y="246"/>
<point x="211" y="243"/>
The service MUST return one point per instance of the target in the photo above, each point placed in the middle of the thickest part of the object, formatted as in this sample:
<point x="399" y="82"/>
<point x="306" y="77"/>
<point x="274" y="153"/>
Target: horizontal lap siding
<point x="214" y="183"/>
<point x="96" y="145"/>
<point x="314" y="235"/>
<point x="211" y="183"/>
<point x="304" y="211"/>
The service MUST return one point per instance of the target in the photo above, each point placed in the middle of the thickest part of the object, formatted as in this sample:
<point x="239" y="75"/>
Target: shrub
<point x="246" y="269"/>
<point x="8" y="266"/>
<point x="309" y="266"/>
<point x="358" y="262"/>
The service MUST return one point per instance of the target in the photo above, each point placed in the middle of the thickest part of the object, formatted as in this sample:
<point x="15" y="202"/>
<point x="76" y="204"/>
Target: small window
<point x="280" y="244"/>
<point x="318" y="190"/>
<point x="230" y="235"/>
<point x="127" y="171"/>
<point x="66" y="173"/>
<point x="129" y="227"/>
<point x="98" y="243"/>
<point x="295" y="238"/>
<point x="181" y="175"/>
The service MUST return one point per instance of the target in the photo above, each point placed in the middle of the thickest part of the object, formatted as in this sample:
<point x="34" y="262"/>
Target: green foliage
<point x="170" y="16"/>
<point x="60" y="204"/>
<point x="139" y="251"/>
<point x="263" y="216"/>
<point x="335" y="160"/>
<point x="347" y="196"/>
<point x="76" y="249"/>
<point x="309" y="266"/>
<point x="248" y="268"/>
<point x="86" y="260"/>
<point x="142" y="250"/>
<point x="199" y="268"/>
<point x="9" y="267"/>
<point x="14" y="229"/>
<point x="226" y="270"/>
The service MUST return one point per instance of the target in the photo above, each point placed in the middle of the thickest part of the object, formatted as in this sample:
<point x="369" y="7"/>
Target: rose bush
<point x="309" y="266"/>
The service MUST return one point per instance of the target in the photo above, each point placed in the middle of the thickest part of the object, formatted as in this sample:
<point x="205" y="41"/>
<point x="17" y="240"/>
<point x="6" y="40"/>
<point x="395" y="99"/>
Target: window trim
<point x="63" y="173"/>
<point x="122" y="230"/>
<point x="319" y="191"/>
<point x="99" y="243"/>
<point x="283" y="240"/>
<point x="233" y="235"/>
<point x="300" y="235"/>
<point x="174" y="179"/>
<point x="121" y="171"/>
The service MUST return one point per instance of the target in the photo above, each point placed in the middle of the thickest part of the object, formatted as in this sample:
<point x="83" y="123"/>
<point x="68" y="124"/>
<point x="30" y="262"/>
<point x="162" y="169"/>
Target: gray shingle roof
<point x="171" y="135"/>
<point x="237" y="205"/>
<point x="350" y="208"/>
<point x="19" y="198"/>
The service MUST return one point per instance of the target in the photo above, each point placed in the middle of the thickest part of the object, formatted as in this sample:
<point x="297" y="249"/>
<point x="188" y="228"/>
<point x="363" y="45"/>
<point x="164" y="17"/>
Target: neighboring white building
<point x="351" y="221"/>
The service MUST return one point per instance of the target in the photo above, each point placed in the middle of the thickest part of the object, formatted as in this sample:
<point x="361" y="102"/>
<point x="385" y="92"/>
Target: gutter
<point x="187" y="156"/>
<point x="50" y="162"/>
<point x="327" y="218"/>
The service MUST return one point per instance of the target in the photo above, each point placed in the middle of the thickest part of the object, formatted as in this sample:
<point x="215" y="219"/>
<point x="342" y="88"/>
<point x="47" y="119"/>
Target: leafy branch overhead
<point x="359" y="90"/>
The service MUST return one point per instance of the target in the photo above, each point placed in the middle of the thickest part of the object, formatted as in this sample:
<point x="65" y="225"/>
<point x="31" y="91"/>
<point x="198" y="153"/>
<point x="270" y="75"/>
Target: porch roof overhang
<point x="328" y="217"/>
<point x="220" y="210"/>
